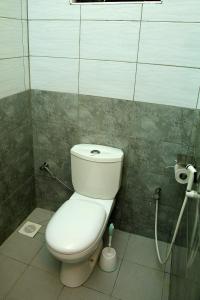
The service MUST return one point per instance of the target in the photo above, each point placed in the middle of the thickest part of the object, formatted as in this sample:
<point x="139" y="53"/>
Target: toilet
<point x="74" y="234"/>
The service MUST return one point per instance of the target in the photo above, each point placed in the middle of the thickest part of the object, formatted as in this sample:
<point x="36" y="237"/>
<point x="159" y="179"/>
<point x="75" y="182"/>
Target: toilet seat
<point x="76" y="225"/>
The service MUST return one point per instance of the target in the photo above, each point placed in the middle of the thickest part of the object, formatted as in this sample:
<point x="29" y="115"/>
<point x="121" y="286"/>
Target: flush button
<point x="95" y="152"/>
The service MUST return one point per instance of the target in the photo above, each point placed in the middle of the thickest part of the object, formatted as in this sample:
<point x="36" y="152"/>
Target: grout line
<point x="136" y="68"/>
<point x="28" y="41"/>
<point x="113" y="20"/>
<point x="60" y="292"/>
<point x="23" y="46"/>
<point x="79" y="69"/>
<point x="123" y="257"/>
<point x="13" y="57"/>
<point x="117" y="61"/>
<point x="79" y="52"/>
<point x="10" y="18"/>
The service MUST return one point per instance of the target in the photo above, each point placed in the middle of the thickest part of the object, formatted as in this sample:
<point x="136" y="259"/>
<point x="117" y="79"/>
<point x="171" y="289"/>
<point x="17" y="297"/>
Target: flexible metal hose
<point x="165" y="259"/>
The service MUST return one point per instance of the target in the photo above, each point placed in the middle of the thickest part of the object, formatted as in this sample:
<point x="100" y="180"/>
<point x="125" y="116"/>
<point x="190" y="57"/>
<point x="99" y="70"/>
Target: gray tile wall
<point x="151" y="135"/>
<point x="16" y="162"/>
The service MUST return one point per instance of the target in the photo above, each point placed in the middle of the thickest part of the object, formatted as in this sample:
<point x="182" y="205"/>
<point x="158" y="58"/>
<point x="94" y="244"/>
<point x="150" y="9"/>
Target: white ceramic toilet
<point x="74" y="234"/>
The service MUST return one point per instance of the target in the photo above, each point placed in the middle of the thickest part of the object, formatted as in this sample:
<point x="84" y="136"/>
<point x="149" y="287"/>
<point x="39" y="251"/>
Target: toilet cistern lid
<point x="75" y="226"/>
<point x="97" y="153"/>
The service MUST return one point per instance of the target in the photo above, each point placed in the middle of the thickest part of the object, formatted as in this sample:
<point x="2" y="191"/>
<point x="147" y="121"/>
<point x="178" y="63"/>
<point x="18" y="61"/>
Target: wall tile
<point x="11" y="38"/>
<point x="12" y="81"/>
<point x="54" y="107"/>
<point x="25" y="38"/>
<point x="180" y="45"/>
<point x="109" y="40"/>
<point x="10" y="9"/>
<point x="24" y="9"/>
<point x="53" y="9"/>
<point x="16" y="208"/>
<point x="167" y="85"/>
<point x="154" y="157"/>
<point x="14" y="111"/>
<point x="50" y="198"/>
<point x="107" y="79"/>
<point x="176" y="10"/>
<point x="54" y="74"/>
<point x="26" y="72"/>
<point x="157" y="123"/>
<point x="110" y="12"/>
<point x="54" y="38"/>
<point x="107" y="116"/>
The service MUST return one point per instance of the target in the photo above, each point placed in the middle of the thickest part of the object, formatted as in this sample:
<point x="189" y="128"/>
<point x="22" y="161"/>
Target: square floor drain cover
<point x="30" y="229"/>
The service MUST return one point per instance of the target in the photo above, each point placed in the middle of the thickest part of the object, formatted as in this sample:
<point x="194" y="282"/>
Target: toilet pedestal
<point x="74" y="275"/>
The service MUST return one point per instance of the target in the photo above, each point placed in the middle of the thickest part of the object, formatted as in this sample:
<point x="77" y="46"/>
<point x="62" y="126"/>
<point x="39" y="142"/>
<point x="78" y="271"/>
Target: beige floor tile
<point x="102" y="281"/>
<point x="40" y="216"/>
<point x="21" y="247"/>
<point x="36" y="284"/>
<point x="141" y="250"/>
<point x="82" y="293"/>
<point x="45" y="261"/>
<point x="10" y="271"/>
<point x="138" y="282"/>
<point x="166" y="287"/>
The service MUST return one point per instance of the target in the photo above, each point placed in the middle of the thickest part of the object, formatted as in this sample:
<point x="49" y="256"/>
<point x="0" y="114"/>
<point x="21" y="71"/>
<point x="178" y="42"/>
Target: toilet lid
<point x="75" y="226"/>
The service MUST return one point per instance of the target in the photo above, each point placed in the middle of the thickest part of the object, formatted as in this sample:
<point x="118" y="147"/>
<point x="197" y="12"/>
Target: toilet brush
<point x="108" y="259"/>
<point x="110" y="234"/>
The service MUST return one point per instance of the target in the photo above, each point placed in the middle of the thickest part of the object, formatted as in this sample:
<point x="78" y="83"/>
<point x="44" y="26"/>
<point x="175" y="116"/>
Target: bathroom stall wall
<point x="16" y="159"/>
<point x="120" y="75"/>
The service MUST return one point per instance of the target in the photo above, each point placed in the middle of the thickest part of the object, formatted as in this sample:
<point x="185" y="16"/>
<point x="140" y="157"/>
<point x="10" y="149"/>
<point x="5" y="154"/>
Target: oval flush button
<point x="95" y="152"/>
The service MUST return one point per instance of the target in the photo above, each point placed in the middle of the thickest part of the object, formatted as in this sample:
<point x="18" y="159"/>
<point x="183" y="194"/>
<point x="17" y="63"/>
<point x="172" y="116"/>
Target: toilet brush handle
<point x="110" y="231"/>
<point x="110" y="241"/>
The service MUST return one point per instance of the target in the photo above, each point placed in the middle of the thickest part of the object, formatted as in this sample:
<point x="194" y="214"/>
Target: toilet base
<point x="74" y="275"/>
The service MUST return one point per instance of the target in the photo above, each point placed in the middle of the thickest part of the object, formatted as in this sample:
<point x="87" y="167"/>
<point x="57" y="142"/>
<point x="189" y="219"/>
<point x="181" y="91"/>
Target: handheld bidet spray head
<point x="192" y="173"/>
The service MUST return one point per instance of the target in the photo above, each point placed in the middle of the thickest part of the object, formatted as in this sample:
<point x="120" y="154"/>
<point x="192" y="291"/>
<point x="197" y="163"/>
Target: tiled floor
<point x="28" y="271"/>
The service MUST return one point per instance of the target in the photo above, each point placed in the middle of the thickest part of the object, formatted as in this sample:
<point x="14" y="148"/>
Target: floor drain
<point x="30" y="229"/>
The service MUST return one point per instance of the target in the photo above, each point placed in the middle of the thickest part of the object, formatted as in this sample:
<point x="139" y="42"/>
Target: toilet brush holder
<point x="108" y="259"/>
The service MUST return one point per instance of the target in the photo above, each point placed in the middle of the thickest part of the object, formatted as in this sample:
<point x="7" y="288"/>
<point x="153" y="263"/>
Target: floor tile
<point x="82" y="293"/>
<point x="142" y="250"/>
<point x="40" y="216"/>
<point x="166" y="287"/>
<point x="45" y="261"/>
<point x="138" y="282"/>
<point x="119" y="242"/>
<point x="10" y="271"/>
<point x="102" y="281"/>
<point x="36" y="284"/>
<point x="21" y="247"/>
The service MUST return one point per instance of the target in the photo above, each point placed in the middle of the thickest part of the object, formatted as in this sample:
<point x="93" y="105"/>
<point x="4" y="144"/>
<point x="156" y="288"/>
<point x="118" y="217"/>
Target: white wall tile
<point x="112" y="40"/>
<point x="170" y="43"/>
<point x="107" y="79"/>
<point x="26" y="73"/>
<point x="111" y="12"/>
<point x="24" y="9"/>
<point x="53" y="9"/>
<point x="11" y="76"/>
<point x="167" y="85"/>
<point x="11" y="38"/>
<point x="10" y="8"/>
<point x="25" y="38"/>
<point x="54" y="38"/>
<point x="173" y="10"/>
<point x="54" y="74"/>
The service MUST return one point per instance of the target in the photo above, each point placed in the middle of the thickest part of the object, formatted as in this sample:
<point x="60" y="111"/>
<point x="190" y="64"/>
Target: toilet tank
<point x="96" y="170"/>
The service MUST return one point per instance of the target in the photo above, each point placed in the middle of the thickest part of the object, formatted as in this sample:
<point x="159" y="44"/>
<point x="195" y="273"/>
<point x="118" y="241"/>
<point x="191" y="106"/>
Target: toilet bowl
<point x="74" y="234"/>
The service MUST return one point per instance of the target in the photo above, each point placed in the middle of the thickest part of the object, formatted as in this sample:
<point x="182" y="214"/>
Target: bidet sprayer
<point x="191" y="177"/>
